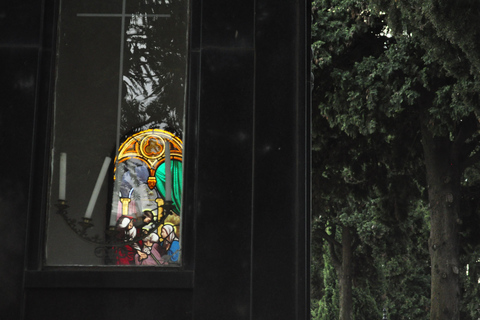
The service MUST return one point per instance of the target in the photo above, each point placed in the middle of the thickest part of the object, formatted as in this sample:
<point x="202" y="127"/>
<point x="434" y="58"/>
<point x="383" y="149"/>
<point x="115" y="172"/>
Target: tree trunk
<point x="345" y="276"/>
<point x="443" y="179"/>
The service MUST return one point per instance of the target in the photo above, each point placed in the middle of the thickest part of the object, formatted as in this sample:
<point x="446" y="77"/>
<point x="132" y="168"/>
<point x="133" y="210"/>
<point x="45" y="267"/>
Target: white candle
<point x="96" y="190"/>
<point x="63" y="177"/>
<point x="168" y="173"/>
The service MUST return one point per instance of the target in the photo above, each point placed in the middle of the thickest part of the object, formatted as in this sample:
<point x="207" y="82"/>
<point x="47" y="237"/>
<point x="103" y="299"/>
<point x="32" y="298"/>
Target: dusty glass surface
<point x="115" y="194"/>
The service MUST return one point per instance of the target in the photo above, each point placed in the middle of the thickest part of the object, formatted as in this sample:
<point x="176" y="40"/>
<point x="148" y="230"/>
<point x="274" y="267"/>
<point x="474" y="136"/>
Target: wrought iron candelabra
<point x="112" y="238"/>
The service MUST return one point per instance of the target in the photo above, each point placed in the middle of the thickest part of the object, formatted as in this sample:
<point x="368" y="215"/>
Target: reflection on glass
<point x="119" y="94"/>
<point x="154" y="74"/>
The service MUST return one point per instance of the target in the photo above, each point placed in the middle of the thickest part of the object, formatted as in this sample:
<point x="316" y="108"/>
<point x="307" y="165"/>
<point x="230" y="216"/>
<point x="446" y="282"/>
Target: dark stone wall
<point x="20" y="56"/>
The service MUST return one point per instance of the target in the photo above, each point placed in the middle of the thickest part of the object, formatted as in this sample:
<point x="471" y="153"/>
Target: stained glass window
<point x="148" y="182"/>
<point x="115" y="194"/>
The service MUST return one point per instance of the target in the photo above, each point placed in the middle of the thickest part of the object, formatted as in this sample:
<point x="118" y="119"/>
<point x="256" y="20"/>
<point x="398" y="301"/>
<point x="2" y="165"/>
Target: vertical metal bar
<point x="120" y="79"/>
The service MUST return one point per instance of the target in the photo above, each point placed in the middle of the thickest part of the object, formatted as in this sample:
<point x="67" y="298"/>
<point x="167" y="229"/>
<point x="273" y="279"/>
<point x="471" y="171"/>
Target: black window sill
<point x="127" y="278"/>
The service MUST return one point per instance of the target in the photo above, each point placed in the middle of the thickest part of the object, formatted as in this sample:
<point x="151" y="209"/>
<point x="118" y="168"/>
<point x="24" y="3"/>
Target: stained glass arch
<point x="148" y="192"/>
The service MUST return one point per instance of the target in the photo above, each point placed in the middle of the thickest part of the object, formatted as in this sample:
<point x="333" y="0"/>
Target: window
<point x="119" y="109"/>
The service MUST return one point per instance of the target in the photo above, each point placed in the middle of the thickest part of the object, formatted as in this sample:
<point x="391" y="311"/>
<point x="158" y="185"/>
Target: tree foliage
<point x="449" y="29"/>
<point x="389" y="76"/>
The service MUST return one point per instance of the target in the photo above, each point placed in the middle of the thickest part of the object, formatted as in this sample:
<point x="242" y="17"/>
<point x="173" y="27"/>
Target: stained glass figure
<point x="146" y="206"/>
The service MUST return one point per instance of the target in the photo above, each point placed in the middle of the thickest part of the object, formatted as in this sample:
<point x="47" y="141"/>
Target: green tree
<point x="377" y="80"/>
<point x="341" y="205"/>
<point x="353" y="172"/>
<point x="449" y="30"/>
<point x="325" y="305"/>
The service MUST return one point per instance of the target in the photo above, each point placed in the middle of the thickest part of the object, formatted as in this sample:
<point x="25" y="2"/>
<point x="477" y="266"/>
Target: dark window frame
<point x="37" y="273"/>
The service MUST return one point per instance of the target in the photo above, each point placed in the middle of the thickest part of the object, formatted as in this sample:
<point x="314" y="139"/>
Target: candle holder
<point x="79" y="227"/>
<point x="85" y="224"/>
<point x="111" y="238"/>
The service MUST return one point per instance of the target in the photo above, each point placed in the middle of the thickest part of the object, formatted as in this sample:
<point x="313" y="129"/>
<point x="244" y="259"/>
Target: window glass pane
<point x="116" y="174"/>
